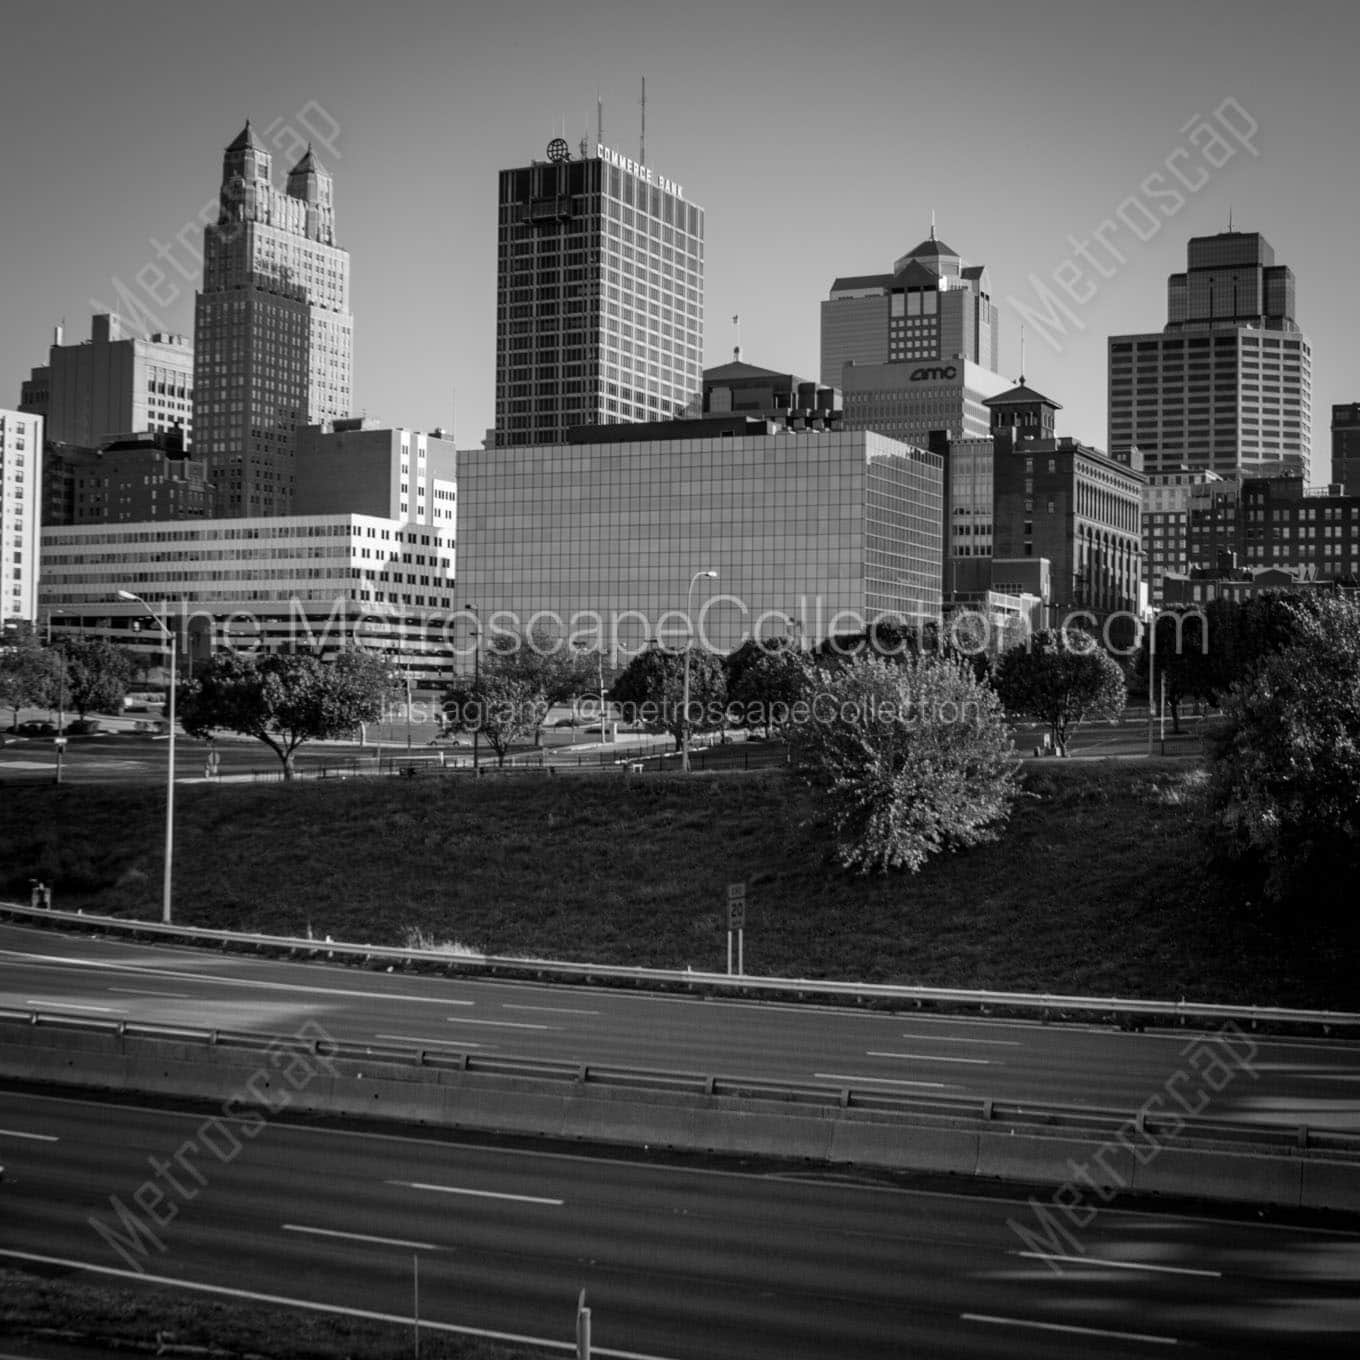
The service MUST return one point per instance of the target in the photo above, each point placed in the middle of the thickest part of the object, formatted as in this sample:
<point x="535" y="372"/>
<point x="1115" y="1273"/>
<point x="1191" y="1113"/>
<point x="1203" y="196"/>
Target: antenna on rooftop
<point x="599" y="118"/>
<point x="736" y="350"/>
<point x="932" y="224"/>
<point x="642" y="144"/>
<point x="1229" y="216"/>
<point x="1022" y="354"/>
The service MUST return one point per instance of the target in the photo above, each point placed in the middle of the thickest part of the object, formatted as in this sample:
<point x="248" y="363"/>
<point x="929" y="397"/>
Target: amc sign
<point x="938" y="373"/>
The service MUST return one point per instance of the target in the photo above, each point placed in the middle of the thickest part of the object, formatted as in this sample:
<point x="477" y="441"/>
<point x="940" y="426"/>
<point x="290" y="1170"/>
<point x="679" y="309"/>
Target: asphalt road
<point x="1272" y="1080"/>
<point x="684" y="1262"/>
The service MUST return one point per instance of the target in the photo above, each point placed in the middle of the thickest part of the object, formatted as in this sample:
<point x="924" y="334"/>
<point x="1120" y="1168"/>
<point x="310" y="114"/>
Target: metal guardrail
<point x="1088" y="1121"/>
<point x="1127" y="1010"/>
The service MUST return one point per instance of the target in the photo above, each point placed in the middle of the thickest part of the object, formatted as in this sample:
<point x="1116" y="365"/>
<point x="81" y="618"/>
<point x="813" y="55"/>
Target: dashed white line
<point x="500" y="1024"/>
<point x="139" y="991"/>
<point x="479" y="1194"/>
<point x="362" y="1237"/>
<point x="1075" y="1331"/>
<point x="70" y="1005"/>
<point x="927" y="1057"/>
<point x="36" y="1137"/>
<point x="886" y="1081"/>
<point x="554" y="1010"/>
<point x="1120" y="1265"/>
<point x="963" y="1039"/>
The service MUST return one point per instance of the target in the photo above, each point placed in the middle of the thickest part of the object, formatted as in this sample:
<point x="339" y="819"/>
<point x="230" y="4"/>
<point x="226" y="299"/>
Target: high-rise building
<point x="1166" y="523"/>
<point x="933" y="308"/>
<point x="21" y="448"/>
<point x="1227" y="384"/>
<point x="361" y="467"/>
<point x="112" y="384"/>
<point x="1346" y="447"/>
<point x="273" y="334"/>
<point x="599" y="296"/>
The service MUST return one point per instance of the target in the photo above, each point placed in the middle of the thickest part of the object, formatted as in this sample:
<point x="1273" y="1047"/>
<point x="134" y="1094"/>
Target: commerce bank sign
<point x="935" y="373"/>
<point x="643" y="172"/>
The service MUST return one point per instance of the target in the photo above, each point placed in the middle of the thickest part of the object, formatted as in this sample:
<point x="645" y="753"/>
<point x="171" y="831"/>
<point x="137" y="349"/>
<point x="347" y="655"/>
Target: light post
<point x="170" y="764"/>
<point x="797" y="626"/>
<point x="689" y="647"/>
<point x="476" y="686"/>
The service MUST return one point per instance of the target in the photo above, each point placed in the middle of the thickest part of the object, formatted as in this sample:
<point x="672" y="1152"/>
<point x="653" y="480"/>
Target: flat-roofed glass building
<point x="601" y="539"/>
<point x="599" y="296"/>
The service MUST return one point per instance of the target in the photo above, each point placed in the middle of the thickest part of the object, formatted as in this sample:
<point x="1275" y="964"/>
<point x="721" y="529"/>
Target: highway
<point x="1288" y="1081"/>
<point x="679" y="1261"/>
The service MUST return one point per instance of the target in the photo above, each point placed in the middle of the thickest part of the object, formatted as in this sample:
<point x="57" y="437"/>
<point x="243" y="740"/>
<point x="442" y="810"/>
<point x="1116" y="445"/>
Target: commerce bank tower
<point x="599" y="296"/>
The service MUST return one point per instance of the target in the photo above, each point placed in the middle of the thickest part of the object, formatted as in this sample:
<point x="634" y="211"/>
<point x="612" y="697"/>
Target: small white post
<point x="415" y="1300"/>
<point x="582" y="1328"/>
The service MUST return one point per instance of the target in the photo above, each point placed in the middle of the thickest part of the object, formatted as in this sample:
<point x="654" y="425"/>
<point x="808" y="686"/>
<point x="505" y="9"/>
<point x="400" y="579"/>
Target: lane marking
<point x="964" y="1039"/>
<point x="926" y="1057"/>
<point x="500" y="1024"/>
<point x="480" y="1194"/>
<point x="659" y="1168"/>
<point x="890" y="1081"/>
<point x="1120" y="1265"/>
<point x="36" y="1137"/>
<point x="146" y="991"/>
<point x="70" y="1005"/>
<point x="1075" y="1331"/>
<point x="420" y="1039"/>
<point x="402" y="1319"/>
<point x="555" y="1010"/>
<point x="361" y="1237"/>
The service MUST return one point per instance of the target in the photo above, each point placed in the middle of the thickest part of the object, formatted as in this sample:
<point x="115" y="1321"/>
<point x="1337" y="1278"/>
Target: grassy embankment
<point x="1098" y="886"/>
<point x="84" y="1312"/>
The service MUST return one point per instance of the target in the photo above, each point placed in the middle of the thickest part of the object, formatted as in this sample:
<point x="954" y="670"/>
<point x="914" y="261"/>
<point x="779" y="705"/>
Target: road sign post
<point x="582" y="1328"/>
<point x="736" y="923"/>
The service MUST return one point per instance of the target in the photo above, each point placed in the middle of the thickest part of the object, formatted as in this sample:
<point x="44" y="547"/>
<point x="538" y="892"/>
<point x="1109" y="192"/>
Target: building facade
<point x="273" y="334"/>
<point x="145" y="477"/>
<point x="1058" y="499"/>
<point x="599" y="296"/>
<point x="21" y="457"/>
<point x="830" y="528"/>
<point x="932" y="308"/>
<point x="913" y="402"/>
<point x="1275" y="523"/>
<point x="113" y="384"/>
<point x="281" y="582"/>
<point x="1346" y="447"/>
<point x="1227" y="384"/>
<point x="360" y="466"/>
<point x="1166" y="524"/>
<point x="739" y="388"/>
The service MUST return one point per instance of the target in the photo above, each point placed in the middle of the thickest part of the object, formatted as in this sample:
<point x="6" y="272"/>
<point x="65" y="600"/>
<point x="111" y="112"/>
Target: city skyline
<point x="825" y="162"/>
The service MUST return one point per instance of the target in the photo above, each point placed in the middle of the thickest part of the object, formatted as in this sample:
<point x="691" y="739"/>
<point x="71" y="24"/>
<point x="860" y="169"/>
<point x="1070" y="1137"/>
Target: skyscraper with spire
<point x="273" y="334"/>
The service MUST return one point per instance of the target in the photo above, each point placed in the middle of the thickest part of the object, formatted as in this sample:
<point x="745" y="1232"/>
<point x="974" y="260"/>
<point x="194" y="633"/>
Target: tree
<point x="651" y="690"/>
<point x="285" y="700"/>
<point x="1285" y="766"/>
<point x="97" y="674"/>
<point x="30" y="675"/>
<point x="1061" y="677"/>
<point x="549" y="669"/>
<point x="914" y="758"/>
<point x="1182" y="659"/>
<point x="765" y="678"/>
<point x="499" y="704"/>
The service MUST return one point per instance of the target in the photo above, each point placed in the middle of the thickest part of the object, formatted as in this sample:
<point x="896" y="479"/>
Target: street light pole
<point x="689" y="647"/>
<point x="171" y="642"/>
<point x="476" y="685"/>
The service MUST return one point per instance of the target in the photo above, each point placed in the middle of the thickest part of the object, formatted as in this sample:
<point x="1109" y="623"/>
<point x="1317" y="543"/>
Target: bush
<point x="914" y="758"/>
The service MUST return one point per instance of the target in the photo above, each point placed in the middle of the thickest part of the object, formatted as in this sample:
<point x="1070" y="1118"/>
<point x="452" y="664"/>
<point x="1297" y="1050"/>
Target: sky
<point x="819" y="142"/>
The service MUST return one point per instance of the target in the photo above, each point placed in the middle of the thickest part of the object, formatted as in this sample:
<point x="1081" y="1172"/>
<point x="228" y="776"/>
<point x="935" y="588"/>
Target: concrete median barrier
<point x="296" y="1081"/>
<point x="888" y="1143"/>
<point x="1256" y="1178"/>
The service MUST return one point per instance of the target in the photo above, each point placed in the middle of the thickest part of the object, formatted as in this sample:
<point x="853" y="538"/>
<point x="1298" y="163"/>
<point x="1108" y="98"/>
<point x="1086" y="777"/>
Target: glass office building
<point x="599" y="296"/>
<point x="600" y="540"/>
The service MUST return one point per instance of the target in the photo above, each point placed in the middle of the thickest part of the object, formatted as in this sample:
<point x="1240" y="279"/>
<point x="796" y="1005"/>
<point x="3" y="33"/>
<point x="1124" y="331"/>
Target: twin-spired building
<point x="273" y="334"/>
<point x="599" y="296"/>
<point x="599" y="539"/>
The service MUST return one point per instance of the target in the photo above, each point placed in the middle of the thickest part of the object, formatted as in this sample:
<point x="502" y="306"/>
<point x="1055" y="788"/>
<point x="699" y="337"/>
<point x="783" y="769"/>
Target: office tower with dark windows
<point x="599" y="296"/>
<point x="1346" y="447"/>
<point x="1226" y="385"/>
<point x="273" y="335"/>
